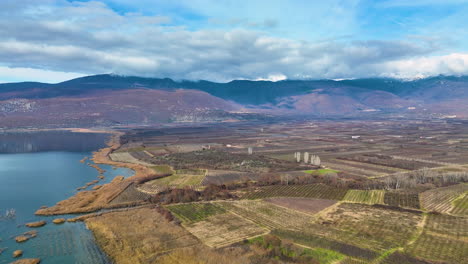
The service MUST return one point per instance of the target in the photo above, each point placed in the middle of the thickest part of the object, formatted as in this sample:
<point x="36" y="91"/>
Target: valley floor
<point x="385" y="192"/>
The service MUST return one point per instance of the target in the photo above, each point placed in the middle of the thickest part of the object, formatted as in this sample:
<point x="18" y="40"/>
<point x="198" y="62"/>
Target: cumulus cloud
<point x="452" y="64"/>
<point x="90" y="38"/>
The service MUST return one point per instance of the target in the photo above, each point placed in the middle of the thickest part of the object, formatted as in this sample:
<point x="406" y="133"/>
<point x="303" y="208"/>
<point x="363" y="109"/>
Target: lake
<point x="31" y="180"/>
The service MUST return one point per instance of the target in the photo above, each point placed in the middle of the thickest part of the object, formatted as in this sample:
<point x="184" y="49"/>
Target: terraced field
<point x="310" y="239"/>
<point x="319" y="191"/>
<point x="376" y="228"/>
<point x="362" y="232"/>
<point x="268" y="215"/>
<point x="442" y="199"/>
<point x="460" y="205"/>
<point x="224" y="229"/>
<point x="177" y="180"/>
<point x="444" y="239"/>
<point x="365" y="196"/>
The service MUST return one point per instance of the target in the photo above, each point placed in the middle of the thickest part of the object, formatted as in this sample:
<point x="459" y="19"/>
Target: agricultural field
<point x="460" y="205"/>
<point x="127" y="158"/>
<point x="223" y="160"/>
<point x="195" y="212"/>
<point x="402" y="199"/>
<point x="444" y="239"/>
<point x="446" y="199"/>
<point x="226" y="176"/>
<point x="144" y="236"/>
<point x="376" y="228"/>
<point x="176" y="180"/>
<point x="360" y="231"/>
<point x="309" y="239"/>
<point x="365" y="196"/>
<point x="319" y="191"/>
<point x="224" y="229"/>
<point x="129" y="195"/>
<point x="163" y="169"/>
<point x="400" y="258"/>
<point x="366" y="222"/>
<point x="306" y="205"/>
<point x="268" y="215"/>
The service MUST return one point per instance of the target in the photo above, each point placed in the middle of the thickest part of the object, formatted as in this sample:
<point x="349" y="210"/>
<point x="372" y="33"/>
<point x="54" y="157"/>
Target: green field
<point x="164" y="169"/>
<point x="321" y="171"/>
<point x="460" y="205"/>
<point x="195" y="212"/>
<point x="366" y="197"/>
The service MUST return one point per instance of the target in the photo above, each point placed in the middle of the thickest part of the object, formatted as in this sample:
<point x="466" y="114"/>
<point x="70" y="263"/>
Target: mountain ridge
<point x="165" y="100"/>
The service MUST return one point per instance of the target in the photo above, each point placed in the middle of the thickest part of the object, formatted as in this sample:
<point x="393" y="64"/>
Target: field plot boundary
<point x="195" y="212"/>
<point x="443" y="238"/>
<point x="268" y="215"/>
<point x="224" y="229"/>
<point x="442" y="199"/>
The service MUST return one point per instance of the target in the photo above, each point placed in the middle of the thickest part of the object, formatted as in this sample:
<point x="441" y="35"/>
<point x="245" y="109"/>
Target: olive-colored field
<point x="366" y="197"/>
<point x="195" y="212"/>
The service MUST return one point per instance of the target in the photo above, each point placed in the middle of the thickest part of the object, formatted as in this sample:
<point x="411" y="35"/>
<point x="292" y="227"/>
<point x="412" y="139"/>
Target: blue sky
<point x="54" y="40"/>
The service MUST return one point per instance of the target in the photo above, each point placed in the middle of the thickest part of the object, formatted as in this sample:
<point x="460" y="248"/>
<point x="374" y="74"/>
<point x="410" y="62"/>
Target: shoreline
<point x="94" y="200"/>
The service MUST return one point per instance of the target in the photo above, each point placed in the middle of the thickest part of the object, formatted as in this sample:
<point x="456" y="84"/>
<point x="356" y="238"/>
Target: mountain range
<point x="112" y="100"/>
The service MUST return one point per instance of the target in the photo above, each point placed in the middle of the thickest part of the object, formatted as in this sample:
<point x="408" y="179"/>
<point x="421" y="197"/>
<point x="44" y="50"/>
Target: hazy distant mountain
<point x="111" y="99"/>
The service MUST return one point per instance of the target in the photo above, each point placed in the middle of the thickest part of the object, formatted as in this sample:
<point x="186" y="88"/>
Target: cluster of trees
<point x="167" y="214"/>
<point x="331" y="179"/>
<point x="186" y="195"/>
<point x="423" y="176"/>
<point x="151" y="177"/>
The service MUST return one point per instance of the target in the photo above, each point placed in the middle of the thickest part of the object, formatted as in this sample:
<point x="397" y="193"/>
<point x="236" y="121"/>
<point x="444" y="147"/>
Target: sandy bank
<point x="93" y="200"/>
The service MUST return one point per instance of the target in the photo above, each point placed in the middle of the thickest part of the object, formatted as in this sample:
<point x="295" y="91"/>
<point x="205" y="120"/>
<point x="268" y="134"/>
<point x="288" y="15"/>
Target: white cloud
<point x="273" y="77"/>
<point x="66" y="40"/>
<point x="23" y="74"/>
<point x="452" y="64"/>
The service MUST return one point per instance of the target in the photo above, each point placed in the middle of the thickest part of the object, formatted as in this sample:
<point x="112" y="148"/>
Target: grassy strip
<point x="321" y="171"/>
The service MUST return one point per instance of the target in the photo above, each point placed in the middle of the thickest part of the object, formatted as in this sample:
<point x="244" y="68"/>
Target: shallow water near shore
<point x="31" y="180"/>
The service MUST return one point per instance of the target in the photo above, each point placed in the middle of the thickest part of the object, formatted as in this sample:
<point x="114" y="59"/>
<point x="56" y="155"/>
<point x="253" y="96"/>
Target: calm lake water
<point x="31" y="180"/>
